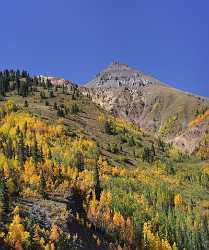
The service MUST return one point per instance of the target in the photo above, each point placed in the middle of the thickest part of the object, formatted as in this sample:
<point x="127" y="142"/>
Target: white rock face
<point x="57" y="81"/>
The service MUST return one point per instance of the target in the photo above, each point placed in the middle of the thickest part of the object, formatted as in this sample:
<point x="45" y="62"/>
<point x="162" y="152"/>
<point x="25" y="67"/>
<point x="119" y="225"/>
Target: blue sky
<point x="77" y="38"/>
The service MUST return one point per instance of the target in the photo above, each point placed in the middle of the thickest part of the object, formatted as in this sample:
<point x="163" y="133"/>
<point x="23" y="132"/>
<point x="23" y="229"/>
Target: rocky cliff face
<point x="153" y="106"/>
<point x="58" y="81"/>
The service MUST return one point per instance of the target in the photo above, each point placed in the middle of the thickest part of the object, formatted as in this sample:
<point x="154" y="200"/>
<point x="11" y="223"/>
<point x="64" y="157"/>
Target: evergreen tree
<point x="108" y="128"/>
<point x="79" y="161"/>
<point x="23" y="91"/>
<point x="48" y="84"/>
<point x="25" y="128"/>
<point x="36" y="154"/>
<point x="4" y="199"/>
<point x="51" y="93"/>
<point x="60" y="112"/>
<point x="42" y="185"/>
<point x="18" y="86"/>
<point x="148" y="155"/>
<point x="26" y="103"/>
<point x="42" y="95"/>
<point x="18" y="131"/>
<point x="55" y="106"/>
<point x="63" y="89"/>
<point x="21" y="150"/>
<point x="9" y="148"/>
<point x="74" y="108"/>
<point x="50" y="154"/>
<point x="97" y="186"/>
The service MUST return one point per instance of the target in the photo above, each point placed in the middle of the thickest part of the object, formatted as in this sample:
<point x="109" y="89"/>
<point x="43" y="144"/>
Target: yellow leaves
<point x="119" y="171"/>
<point x="124" y="125"/>
<point x="83" y="145"/>
<point x="101" y="215"/>
<point x="168" y="125"/>
<point x="30" y="178"/>
<point x="98" y="241"/>
<point x="55" y="233"/>
<point x="9" y="106"/>
<point x="153" y="241"/>
<point x="178" y="200"/>
<point x="38" y="233"/>
<point x="2" y="235"/>
<point x="49" y="246"/>
<point x="174" y="152"/>
<point x="17" y="237"/>
<point x="85" y="180"/>
<point x="106" y="198"/>
<point x="42" y="129"/>
<point x="119" y="124"/>
<point x="199" y="119"/>
<point x="104" y="167"/>
<point x="205" y="169"/>
<point x="6" y="169"/>
<point x="10" y="185"/>
<point x="101" y="119"/>
<point x="94" y="207"/>
<point x="118" y="220"/>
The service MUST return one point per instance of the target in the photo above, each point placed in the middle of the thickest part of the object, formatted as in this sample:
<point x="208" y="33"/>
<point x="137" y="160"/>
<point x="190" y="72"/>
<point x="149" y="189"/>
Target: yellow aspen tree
<point x="55" y="233"/>
<point x="178" y="200"/>
<point x="17" y="237"/>
<point x="118" y="220"/>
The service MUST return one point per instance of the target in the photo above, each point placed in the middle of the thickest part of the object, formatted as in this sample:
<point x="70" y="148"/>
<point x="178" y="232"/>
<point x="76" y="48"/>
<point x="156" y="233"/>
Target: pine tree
<point x="148" y="155"/>
<point x="18" y="86"/>
<point x="108" y="128"/>
<point x="26" y="103"/>
<point x="25" y="128"/>
<point x="51" y="94"/>
<point x="42" y="185"/>
<point x="60" y="112"/>
<point x="18" y="131"/>
<point x="41" y="155"/>
<point x="50" y="154"/>
<point x="42" y="95"/>
<point x="55" y="106"/>
<point x="21" y="156"/>
<point x="74" y="108"/>
<point x="35" y="151"/>
<point x="9" y="148"/>
<point x="63" y="89"/>
<point x="4" y="199"/>
<point x="79" y="161"/>
<point x="97" y="186"/>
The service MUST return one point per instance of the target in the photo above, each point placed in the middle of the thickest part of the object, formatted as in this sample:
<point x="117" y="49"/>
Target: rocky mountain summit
<point x="120" y="75"/>
<point x="155" y="107"/>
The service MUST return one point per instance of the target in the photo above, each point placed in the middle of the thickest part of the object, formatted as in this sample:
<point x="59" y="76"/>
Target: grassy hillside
<point x="73" y="176"/>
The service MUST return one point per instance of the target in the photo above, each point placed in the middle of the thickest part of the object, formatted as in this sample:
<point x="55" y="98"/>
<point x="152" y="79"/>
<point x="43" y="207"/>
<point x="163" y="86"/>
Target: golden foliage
<point x="55" y="233"/>
<point x="178" y="200"/>
<point x="17" y="237"/>
<point x="199" y="119"/>
<point x="153" y="241"/>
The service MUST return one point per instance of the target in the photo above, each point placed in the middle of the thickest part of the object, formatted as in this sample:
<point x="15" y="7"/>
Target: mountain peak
<point x="120" y="75"/>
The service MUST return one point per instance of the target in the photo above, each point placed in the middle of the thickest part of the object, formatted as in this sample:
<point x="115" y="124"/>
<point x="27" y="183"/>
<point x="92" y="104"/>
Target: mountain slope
<point x="153" y="106"/>
<point x="73" y="176"/>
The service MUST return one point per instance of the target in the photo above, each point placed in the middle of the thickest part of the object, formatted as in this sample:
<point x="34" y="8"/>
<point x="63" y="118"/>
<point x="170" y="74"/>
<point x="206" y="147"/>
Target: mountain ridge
<point x="154" y="106"/>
